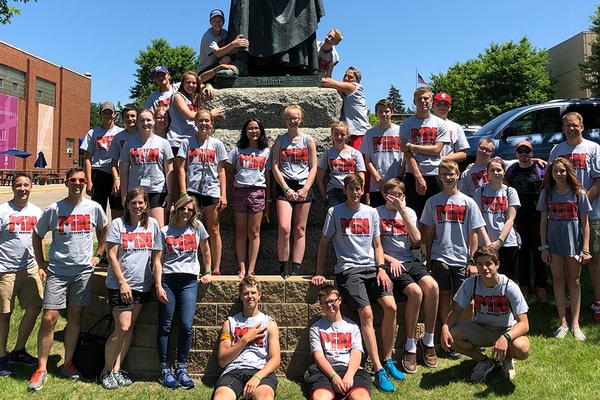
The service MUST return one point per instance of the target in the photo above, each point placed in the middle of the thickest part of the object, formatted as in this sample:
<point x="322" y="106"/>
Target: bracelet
<point x="257" y="377"/>
<point x="472" y="262"/>
<point x="544" y="247"/>
<point x="585" y="251"/>
<point x="507" y="336"/>
<point x="409" y="147"/>
<point x="208" y="271"/>
<point x="183" y="194"/>
<point x="332" y="376"/>
<point x="500" y="240"/>
<point x="116" y="179"/>
<point x="286" y="190"/>
<point x="169" y="194"/>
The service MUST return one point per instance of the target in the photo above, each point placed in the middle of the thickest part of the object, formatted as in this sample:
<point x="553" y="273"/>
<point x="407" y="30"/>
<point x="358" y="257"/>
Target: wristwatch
<point x="544" y="247"/>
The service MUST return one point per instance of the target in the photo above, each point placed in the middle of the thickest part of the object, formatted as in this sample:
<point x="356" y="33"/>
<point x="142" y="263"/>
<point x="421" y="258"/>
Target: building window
<point x="12" y="82"/>
<point x="45" y="91"/>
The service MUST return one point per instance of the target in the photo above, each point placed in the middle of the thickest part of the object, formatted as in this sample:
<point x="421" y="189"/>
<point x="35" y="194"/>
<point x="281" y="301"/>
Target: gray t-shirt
<point x="16" y="225"/>
<point x="293" y="158"/>
<point x="472" y="178"/>
<point x="496" y="306"/>
<point x="354" y="111"/>
<point x="336" y="340"/>
<point x="458" y="140"/>
<point x="326" y="59"/>
<point x="134" y="254"/>
<point x="494" y="205"/>
<point x="209" y="43"/>
<point x="250" y="166"/>
<point x="158" y="98"/>
<point x="116" y="146"/>
<point x="585" y="158"/>
<point x="394" y="233"/>
<point x="340" y="164"/>
<point x="426" y="131"/>
<point x="180" y="249"/>
<point x="97" y="142"/>
<point x="147" y="163"/>
<point x="181" y="127"/>
<point x="383" y="146"/>
<point x="202" y="165"/>
<point x="72" y="235"/>
<point x="564" y="234"/>
<point x="452" y="217"/>
<point x="352" y="233"/>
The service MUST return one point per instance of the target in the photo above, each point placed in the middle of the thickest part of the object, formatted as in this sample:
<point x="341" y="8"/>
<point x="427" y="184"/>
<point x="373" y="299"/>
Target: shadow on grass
<point x="493" y="385"/>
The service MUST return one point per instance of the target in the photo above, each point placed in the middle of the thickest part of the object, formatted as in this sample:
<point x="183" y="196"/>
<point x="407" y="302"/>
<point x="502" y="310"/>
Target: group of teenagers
<point x="165" y="165"/>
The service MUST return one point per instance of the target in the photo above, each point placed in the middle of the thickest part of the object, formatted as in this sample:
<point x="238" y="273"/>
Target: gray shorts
<point x="594" y="235"/>
<point x="62" y="291"/>
<point x="359" y="286"/>
<point x="448" y="277"/>
<point x="481" y="335"/>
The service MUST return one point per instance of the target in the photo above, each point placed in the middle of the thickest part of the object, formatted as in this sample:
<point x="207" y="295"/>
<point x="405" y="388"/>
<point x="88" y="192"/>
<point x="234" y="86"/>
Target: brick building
<point x="43" y="107"/>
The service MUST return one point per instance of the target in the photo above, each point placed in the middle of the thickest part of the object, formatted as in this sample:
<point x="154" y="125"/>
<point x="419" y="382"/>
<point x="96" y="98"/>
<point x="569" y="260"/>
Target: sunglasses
<point x="188" y="209"/>
<point x="76" y="180"/>
<point x="524" y="151"/>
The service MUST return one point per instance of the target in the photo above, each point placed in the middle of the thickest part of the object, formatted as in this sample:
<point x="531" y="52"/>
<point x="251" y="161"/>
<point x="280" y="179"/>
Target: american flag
<point x="421" y="80"/>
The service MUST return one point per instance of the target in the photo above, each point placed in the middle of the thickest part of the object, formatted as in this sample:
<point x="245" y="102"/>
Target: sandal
<point x="241" y="275"/>
<point x="217" y="273"/>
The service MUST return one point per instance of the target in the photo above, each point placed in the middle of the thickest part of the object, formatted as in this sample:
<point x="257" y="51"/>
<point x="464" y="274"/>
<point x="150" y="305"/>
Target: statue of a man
<point x="282" y="36"/>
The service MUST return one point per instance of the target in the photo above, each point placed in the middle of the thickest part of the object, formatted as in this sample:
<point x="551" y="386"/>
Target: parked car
<point x="541" y="124"/>
<point x="469" y="130"/>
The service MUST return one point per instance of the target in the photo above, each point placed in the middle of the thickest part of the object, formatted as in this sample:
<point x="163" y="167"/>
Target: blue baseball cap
<point x="158" y="69"/>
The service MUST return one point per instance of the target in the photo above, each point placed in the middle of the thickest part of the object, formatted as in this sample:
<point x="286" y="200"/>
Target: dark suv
<point x="541" y="124"/>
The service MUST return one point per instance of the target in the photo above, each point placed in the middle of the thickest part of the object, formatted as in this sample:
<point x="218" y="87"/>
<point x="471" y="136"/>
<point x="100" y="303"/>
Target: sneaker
<point x="108" y="380"/>
<point x="383" y="382"/>
<point x="37" y="380"/>
<point x="429" y="356"/>
<point x="508" y="369"/>
<point x="122" y="378"/>
<point x="568" y="305"/>
<point x="5" y="368"/>
<point x="167" y="379"/>
<point x="409" y="362"/>
<point x="285" y="274"/>
<point x="482" y="369"/>
<point x="69" y="370"/>
<point x="389" y="366"/>
<point x="561" y="332"/>
<point x="184" y="379"/>
<point x="295" y="270"/>
<point x="596" y="309"/>
<point x="541" y="294"/>
<point x="22" y="357"/>
<point x="578" y="334"/>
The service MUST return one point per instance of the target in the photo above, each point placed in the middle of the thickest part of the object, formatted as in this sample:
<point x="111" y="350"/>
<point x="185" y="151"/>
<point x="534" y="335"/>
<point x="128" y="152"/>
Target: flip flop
<point x="216" y="273"/>
<point x="241" y="275"/>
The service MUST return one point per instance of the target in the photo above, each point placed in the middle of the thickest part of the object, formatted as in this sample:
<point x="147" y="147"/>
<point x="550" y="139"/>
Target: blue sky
<point x="386" y="39"/>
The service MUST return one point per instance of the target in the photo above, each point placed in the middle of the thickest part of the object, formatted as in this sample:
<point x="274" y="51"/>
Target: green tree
<point x="7" y="12"/>
<point x="177" y="60"/>
<point x="396" y="99"/>
<point x="504" y="77"/>
<point x="590" y="68"/>
<point x="95" y="119"/>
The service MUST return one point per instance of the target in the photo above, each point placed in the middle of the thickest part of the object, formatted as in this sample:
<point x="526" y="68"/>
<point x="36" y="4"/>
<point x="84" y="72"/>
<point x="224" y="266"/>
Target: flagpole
<point x="416" y="78"/>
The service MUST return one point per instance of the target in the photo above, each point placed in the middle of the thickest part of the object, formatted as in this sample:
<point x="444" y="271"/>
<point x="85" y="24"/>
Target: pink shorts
<point x="248" y="200"/>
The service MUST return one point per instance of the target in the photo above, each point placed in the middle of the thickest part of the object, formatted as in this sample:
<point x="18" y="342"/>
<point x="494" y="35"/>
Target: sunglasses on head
<point x="523" y="151"/>
<point x="76" y="180"/>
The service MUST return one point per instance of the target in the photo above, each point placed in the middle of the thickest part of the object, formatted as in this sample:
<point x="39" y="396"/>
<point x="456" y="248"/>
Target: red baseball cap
<point x="525" y="143"/>
<point x="443" y="97"/>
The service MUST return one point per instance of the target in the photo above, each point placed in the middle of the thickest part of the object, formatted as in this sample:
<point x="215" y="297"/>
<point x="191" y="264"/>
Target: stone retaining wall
<point x="292" y="303"/>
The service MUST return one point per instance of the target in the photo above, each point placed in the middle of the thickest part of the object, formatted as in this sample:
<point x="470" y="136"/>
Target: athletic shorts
<point x="416" y="201"/>
<point x="117" y="304"/>
<point x="415" y="271"/>
<point x="157" y="199"/>
<point x="318" y="380"/>
<point x="103" y="184"/>
<point x="248" y="200"/>
<point x="481" y="335"/>
<point x="24" y="284"/>
<point x="448" y="277"/>
<point x="594" y="235"/>
<point x="204" y="201"/>
<point x="295" y="186"/>
<point x="334" y="197"/>
<point x="359" y="286"/>
<point x="236" y="380"/>
<point x="62" y="291"/>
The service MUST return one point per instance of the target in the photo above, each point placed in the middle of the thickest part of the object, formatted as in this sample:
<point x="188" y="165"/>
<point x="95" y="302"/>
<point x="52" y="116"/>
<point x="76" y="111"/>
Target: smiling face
<point x="422" y="101"/>
<point x="146" y="122"/>
<point x="216" y="24"/>
<point x="107" y="117"/>
<point x="186" y="212"/>
<point x="137" y="206"/>
<point x="384" y="114"/>
<point x="448" y="177"/>
<point x="573" y="128"/>
<point x="354" y="192"/>
<point x="495" y="171"/>
<point x="339" y="135"/>
<point x="441" y="108"/>
<point x="204" y="123"/>
<point x="190" y="84"/>
<point x="21" y="189"/>
<point x="331" y="304"/>
<point x="559" y="172"/>
<point x="253" y="132"/>
<point x="486" y="267"/>
<point x="250" y="296"/>
<point x="162" y="79"/>
<point x="293" y="118"/>
<point x="162" y="120"/>
<point x="75" y="183"/>
<point x="349" y="76"/>
<point x="524" y="154"/>
<point x="130" y="119"/>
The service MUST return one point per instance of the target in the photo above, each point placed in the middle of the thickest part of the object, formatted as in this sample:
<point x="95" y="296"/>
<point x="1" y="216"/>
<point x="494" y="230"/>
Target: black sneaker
<point x="295" y="270"/>
<point x="285" y="273"/>
<point x="22" y="357"/>
<point x="5" y="368"/>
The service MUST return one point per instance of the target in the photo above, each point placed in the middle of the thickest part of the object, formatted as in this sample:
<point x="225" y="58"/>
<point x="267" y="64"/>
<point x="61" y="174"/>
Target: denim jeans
<point x="182" y="290"/>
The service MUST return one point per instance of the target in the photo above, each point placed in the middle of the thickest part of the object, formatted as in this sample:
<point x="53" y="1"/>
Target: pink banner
<point x="9" y="120"/>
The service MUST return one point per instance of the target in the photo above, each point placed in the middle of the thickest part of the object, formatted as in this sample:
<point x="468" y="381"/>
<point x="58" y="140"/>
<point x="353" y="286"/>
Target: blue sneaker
<point x="383" y="382"/>
<point x="184" y="379"/>
<point x="22" y="357"/>
<point x="167" y="379"/>
<point x="390" y="367"/>
<point x="5" y="368"/>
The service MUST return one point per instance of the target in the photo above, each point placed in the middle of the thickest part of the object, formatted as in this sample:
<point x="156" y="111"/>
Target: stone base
<point x="292" y="303"/>
<point x="268" y="81"/>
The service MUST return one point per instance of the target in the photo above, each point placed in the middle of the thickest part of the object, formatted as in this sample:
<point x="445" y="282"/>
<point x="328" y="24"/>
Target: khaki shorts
<point x="24" y="284"/>
<point x="480" y="335"/>
<point x="594" y="235"/>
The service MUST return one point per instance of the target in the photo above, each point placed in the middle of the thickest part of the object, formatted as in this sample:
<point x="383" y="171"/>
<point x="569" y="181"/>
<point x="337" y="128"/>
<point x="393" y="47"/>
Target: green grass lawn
<point x="556" y="369"/>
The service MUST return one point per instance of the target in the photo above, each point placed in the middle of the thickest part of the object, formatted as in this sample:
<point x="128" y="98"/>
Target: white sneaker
<point x="578" y="334"/>
<point x="561" y="332"/>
